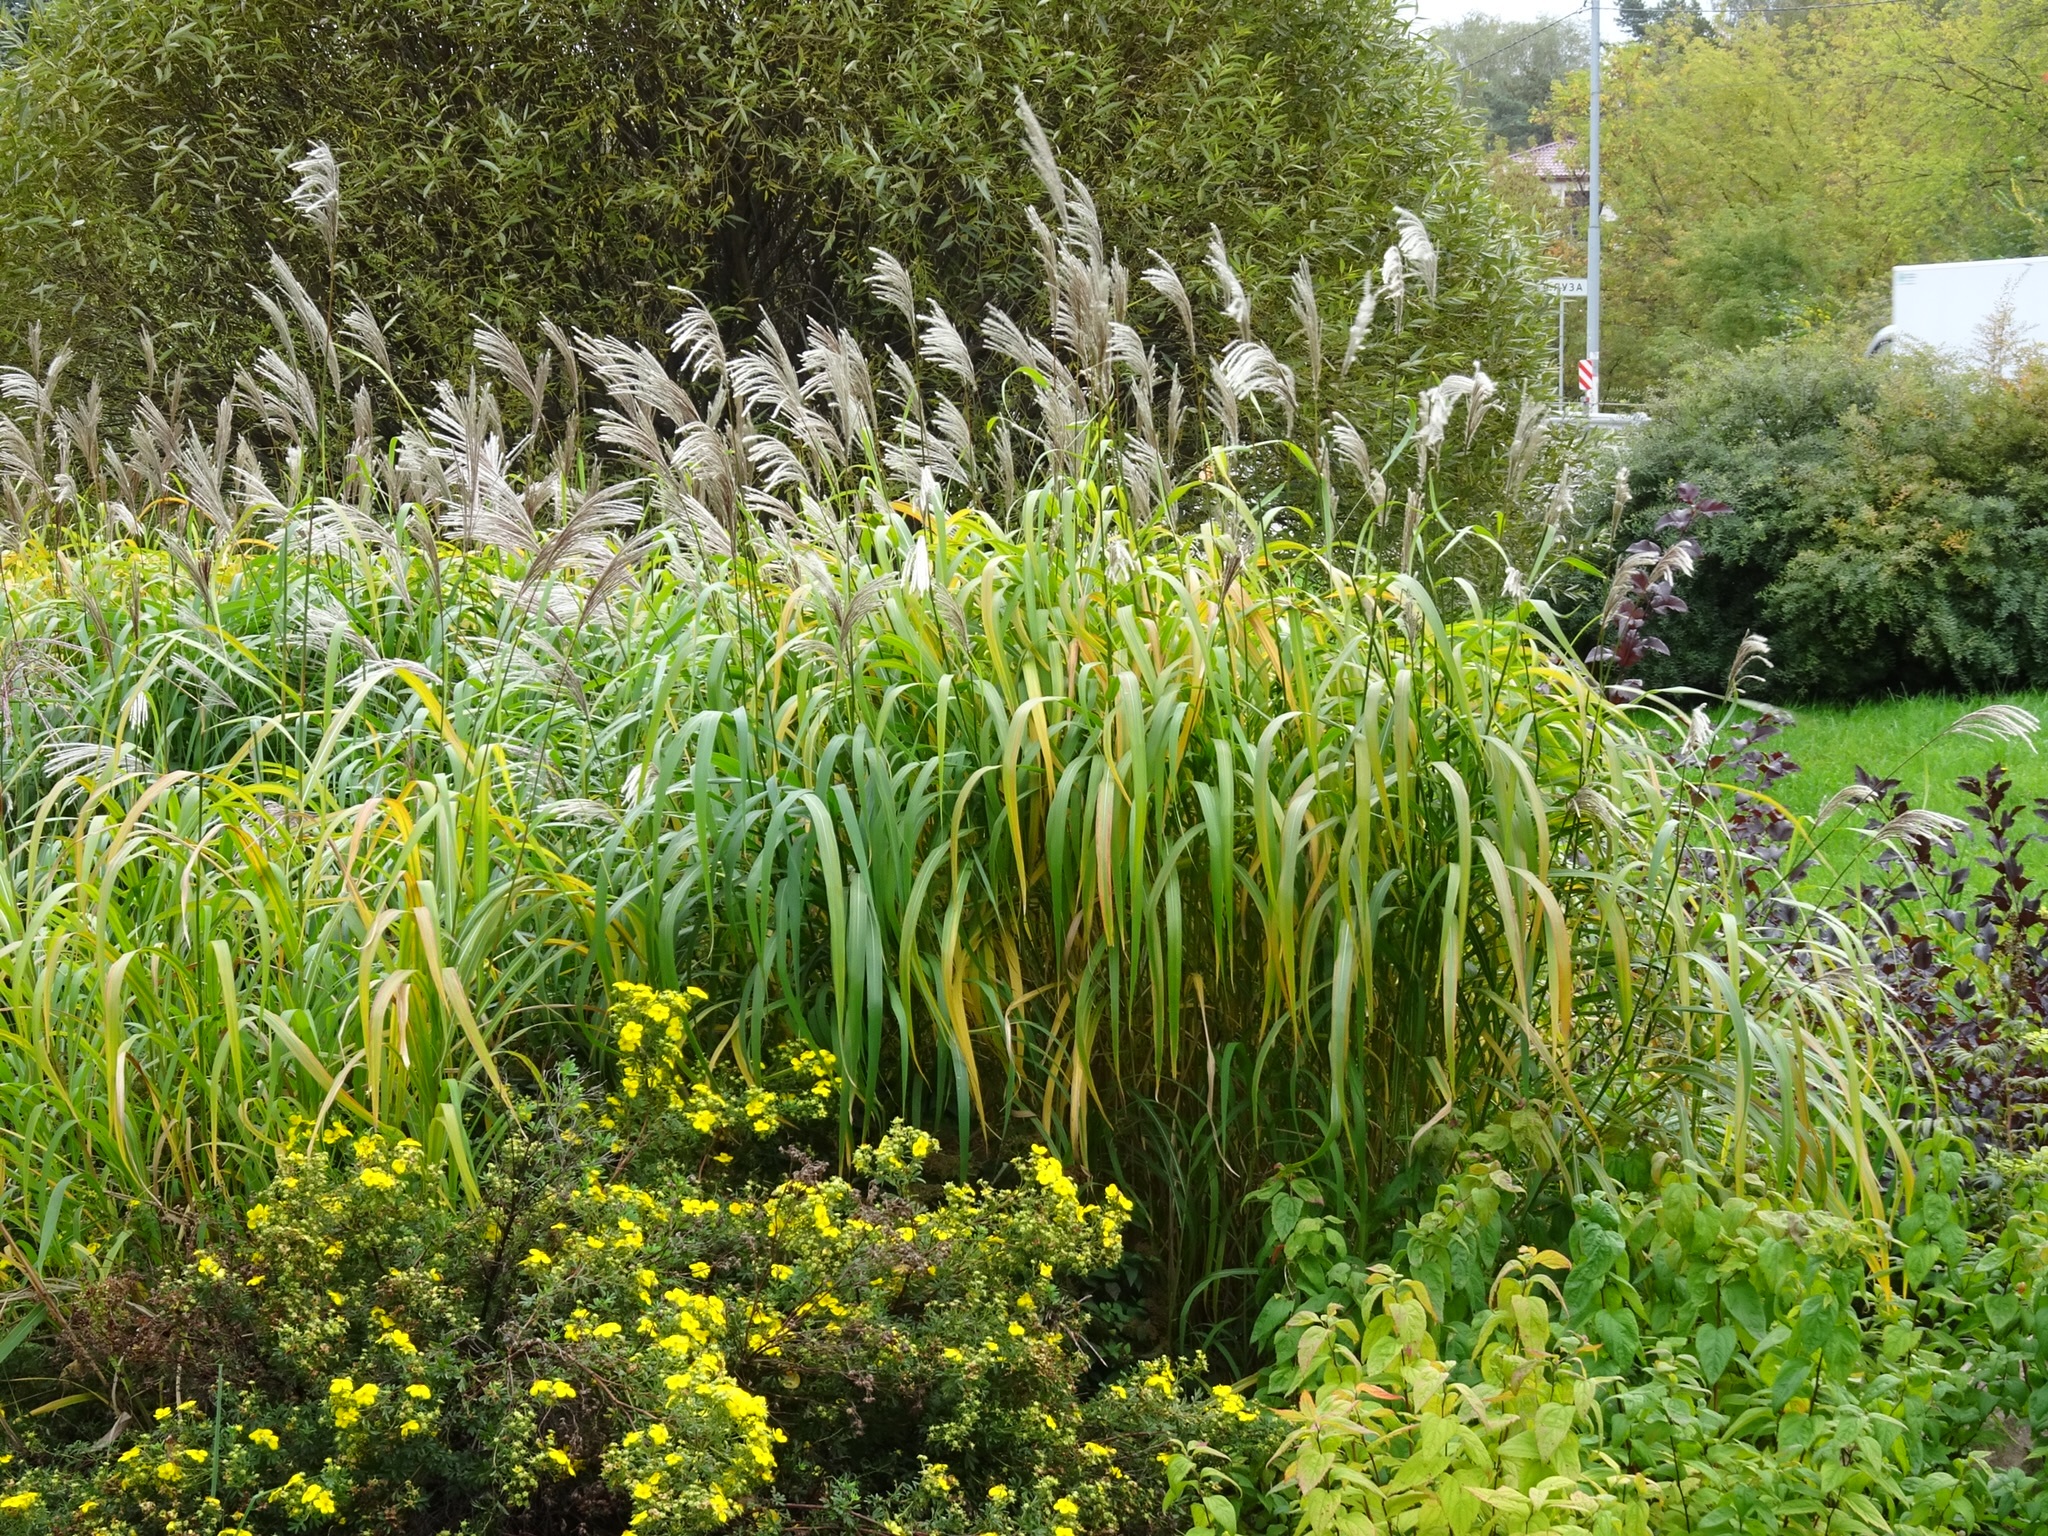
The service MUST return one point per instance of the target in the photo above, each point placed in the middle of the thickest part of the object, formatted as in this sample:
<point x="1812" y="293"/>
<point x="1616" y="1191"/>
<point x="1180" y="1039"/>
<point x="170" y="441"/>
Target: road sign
<point x="1587" y="376"/>
<point x="1566" y="287"/>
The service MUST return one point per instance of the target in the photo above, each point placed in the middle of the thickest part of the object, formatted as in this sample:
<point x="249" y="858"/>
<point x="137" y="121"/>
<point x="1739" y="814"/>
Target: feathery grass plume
<point x="1411" y="520"/>
<point x="1301" y="299"/>
<point x="1847" y="798"/>
<point x="1249" y="369"/>
<point x="1237" y="304"/>
<point x="1998" y="722"/>
<point x="317" y="196"/>
<point x="941" y="344"/>
<point x="889" y="281"/>
<point x="1752" y="659"/>
<point x="1417" y="250"/>
<point x="1361" y="325"/>
<point x="1162" y="279"/>
<point x="1532" y="430"/>
<point x="1479" y="401"/>
<point x="1918" y="825"/>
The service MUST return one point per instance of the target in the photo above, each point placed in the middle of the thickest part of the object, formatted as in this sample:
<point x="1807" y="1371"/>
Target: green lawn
<point x="1904" y="739"/>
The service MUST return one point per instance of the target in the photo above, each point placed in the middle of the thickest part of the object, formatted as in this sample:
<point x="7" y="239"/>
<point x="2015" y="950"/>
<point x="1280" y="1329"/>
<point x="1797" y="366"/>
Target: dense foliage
<point x="580" y="160"/>
<point x="502" y="898"/>
<point x="1701" y="1360"/>
<point x="1767" y="173"/>
<point x="1123" y="817"/>
<point x="1893" y="527"/>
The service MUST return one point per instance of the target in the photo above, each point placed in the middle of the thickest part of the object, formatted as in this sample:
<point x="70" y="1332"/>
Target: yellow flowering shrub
<point x="625" y="1326"/>
<point x="658" y="1074"/>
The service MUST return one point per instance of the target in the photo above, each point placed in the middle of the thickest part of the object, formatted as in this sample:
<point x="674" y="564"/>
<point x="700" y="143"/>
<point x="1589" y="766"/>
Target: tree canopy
<point x="1767" y="176"/>
<point x="1506" y="69"/>
<point x="583" y="159"/>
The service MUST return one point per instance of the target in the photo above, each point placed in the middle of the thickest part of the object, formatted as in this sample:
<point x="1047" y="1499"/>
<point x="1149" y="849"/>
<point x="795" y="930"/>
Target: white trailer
<point x="1954" y="306"/>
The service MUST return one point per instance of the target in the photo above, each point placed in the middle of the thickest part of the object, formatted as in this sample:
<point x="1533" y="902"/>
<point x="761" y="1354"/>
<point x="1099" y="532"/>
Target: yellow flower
<point x="658" y="1433"/>
<point x="410" y="1428"/>
<point x="701" y="1270"/>
<point x="267" y="1438"/>
<point x="561" y="1459"/>
<point x="15" y="1503"/>
<point x="317" y="1498"/>
<point x="535" y="1259"/>
<point x="998" y="1492"/>
<point x="420" y="1390"/>
<point x="209" y="1267"/>
<point x="376" y="1178"/>
<point x="1065" y="1506"/>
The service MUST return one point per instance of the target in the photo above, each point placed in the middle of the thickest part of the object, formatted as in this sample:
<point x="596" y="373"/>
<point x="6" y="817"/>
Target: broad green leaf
<point x="1715" y="1346"/>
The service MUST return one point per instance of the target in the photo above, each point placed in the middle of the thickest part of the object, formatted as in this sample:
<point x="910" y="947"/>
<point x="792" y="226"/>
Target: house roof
<point x="1551" y="161"/>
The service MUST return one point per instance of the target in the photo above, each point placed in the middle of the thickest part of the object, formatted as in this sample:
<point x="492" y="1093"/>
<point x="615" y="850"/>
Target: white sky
<point x="1434" y="13"/>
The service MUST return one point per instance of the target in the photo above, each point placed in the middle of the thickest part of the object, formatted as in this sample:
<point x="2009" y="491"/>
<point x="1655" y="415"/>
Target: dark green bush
<point x="1891" y="521"/>
<point x="581" y="158"/>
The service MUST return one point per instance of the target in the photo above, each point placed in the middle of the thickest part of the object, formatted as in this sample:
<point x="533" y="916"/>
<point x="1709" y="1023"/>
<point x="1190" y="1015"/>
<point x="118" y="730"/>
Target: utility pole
<point x="1593" y="215"/>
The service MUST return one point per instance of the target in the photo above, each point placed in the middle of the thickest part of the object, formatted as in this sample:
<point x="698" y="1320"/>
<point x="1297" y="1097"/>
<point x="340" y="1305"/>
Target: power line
<point x="1547" y="26"/>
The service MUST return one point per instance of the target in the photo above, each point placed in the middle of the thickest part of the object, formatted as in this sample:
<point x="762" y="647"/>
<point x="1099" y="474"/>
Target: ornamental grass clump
<point x="1084" y="750"/>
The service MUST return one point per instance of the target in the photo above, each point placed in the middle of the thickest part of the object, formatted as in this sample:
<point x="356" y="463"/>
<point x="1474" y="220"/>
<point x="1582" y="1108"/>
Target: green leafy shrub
<point x="618" y="1326"/>
<point x="1891" y="527"/>
<point x="1701" y="1360"/>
